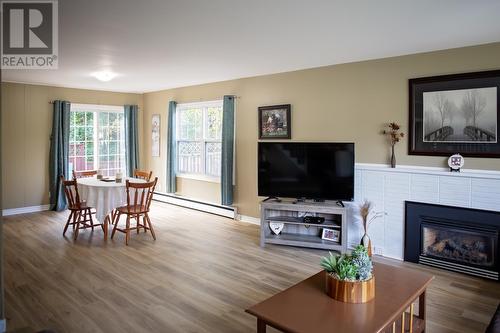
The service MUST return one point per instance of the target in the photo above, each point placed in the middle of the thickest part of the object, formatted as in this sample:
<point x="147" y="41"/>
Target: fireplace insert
<point x="458" y="239"/>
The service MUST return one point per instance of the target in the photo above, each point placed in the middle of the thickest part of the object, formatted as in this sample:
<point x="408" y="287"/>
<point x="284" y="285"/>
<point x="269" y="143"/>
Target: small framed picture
<point x="155" y="135"/>
<point x="275" y="122"/>
<point x="331" y="235"/>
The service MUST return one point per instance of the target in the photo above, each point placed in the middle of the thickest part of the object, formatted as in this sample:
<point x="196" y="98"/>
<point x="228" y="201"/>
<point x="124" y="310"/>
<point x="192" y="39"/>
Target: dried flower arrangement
<point x="364" y="211"/>
<point x="394" y="134"/>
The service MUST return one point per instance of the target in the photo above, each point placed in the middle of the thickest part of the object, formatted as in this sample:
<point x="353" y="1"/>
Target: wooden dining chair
<point x="143" y="174"/>
<point x="80" y="216"/>
<point x="139" y="196"/>
<point x="84" y="174"/>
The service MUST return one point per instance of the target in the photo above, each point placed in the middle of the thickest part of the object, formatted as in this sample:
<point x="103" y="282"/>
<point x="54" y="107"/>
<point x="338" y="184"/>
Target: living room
<point x="216" y="109"/>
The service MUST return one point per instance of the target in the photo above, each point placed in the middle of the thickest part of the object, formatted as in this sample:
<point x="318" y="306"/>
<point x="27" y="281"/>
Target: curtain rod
<point x="210" y="99"/>
<point x="199" y="100"/>
<point x="52" y="102"/>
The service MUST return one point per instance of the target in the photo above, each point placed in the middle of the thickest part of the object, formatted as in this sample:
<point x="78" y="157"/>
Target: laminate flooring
<point x="200" y="275"/>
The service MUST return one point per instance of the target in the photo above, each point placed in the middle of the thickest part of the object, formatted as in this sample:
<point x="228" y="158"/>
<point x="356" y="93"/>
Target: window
<point x="199" y="136"/>
<point x="97" y="138"/>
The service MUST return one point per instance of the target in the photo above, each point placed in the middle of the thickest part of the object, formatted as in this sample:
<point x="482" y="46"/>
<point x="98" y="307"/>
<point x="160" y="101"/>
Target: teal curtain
<point x="227" y="157"/>
<point x="58" y="158"/>
<point x="171" y="148"/>
<point x="131" y="138"/>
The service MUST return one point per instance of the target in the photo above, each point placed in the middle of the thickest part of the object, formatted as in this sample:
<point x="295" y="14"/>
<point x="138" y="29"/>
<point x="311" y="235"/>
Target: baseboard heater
<point x="203" y="206"/>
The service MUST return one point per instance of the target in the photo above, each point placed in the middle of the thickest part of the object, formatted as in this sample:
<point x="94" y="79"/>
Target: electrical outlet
<point x="378" y="251"/>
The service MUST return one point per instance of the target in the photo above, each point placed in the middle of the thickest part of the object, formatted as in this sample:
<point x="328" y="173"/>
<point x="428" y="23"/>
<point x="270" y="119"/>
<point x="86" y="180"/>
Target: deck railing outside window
<point x="199" y="130"/>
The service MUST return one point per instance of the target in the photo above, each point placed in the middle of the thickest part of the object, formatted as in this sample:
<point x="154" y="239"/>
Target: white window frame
<point x="205" y="105"/>
<point x="76" y="107"/>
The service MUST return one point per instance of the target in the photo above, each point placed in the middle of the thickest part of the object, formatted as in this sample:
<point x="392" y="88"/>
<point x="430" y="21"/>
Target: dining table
<point x="104" y="195"/>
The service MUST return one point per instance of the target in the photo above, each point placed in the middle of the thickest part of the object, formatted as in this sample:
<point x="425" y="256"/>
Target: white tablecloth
<point x="104" y="196"/>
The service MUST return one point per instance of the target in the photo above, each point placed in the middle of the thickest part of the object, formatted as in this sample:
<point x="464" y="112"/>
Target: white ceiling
<point x="154" y="44"/>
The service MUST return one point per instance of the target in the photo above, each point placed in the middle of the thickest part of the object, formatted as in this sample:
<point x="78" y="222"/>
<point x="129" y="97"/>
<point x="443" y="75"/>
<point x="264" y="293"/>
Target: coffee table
<point x="305" y="307"/>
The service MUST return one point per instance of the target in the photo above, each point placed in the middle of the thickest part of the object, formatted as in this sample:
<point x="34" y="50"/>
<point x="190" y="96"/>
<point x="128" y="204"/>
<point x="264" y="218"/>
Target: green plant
<point x="362" y="261"/>
<point x="347" y="270"/>
<point x="331" y="262"/>
<point x="357" y="266"/>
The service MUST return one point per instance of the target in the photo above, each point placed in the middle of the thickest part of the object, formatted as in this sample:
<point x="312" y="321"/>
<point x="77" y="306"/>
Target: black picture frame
<point x="453" y="95"/>
<point x="275" y="122"/>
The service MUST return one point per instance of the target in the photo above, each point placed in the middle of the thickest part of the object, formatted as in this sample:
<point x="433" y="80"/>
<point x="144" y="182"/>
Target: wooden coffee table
<point x="305" y="307"/>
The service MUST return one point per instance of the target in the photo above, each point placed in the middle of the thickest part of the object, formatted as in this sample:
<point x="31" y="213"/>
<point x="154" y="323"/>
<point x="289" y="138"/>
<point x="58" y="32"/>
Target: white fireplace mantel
<point x="470" y="173"/>
<point x="389" y="188"/>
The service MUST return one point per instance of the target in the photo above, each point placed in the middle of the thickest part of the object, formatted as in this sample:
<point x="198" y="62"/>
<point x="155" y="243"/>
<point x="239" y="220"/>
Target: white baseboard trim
<point x="225" y="211"/>
<point x="25" y="210"/>
<point x="248" y="219"/>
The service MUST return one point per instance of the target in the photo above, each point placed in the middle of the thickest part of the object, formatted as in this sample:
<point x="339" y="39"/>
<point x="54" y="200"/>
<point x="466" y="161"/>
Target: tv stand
<point x="297" y="233"/>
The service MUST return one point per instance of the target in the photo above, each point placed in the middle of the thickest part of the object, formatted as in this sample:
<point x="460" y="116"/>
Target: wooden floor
<point x="199" y="276"/>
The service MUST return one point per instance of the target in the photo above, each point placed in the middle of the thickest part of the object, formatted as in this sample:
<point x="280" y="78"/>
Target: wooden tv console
<point x="297" y="233"/>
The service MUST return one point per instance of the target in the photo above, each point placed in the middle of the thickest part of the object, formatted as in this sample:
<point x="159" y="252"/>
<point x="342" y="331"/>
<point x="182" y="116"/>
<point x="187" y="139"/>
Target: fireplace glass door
<point x="463" y="246"/>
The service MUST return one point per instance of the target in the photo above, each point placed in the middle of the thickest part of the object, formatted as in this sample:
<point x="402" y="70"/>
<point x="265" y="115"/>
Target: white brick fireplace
<point x="389" y="188"/>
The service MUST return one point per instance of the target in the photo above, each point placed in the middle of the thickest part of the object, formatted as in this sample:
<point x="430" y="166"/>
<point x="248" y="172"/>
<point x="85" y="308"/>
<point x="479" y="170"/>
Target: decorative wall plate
<point x="455" y="162"/>
<point x="276" y="227"/>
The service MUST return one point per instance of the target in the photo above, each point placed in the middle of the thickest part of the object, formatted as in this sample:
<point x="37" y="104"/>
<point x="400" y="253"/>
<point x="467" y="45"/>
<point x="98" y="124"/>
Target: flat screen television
<point x="312" y="170"/>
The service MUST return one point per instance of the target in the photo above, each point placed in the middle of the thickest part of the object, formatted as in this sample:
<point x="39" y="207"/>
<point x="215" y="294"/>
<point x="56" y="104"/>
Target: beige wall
<point x="26" y="128"/>
<point x="198" y="189"/>
<point x="348" y="102"/>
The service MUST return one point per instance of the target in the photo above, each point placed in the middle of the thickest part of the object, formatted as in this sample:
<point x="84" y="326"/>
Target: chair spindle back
<point x="71" y="192"/>
<point x="143" y="174"/>
<point x="142" y="194"/>
<point x="84" y="174"/>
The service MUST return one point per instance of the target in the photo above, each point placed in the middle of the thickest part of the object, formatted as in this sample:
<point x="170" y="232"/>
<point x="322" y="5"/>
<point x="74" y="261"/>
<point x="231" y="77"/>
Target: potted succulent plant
<point x="349" y="278"/>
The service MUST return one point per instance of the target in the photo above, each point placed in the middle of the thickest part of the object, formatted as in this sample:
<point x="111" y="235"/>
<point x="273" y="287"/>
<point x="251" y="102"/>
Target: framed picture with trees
<point x="456" y="113"/>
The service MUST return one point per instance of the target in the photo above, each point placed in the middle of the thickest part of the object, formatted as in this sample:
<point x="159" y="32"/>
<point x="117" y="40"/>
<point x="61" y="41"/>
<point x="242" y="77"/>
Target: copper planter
<point x="350" y="291"/>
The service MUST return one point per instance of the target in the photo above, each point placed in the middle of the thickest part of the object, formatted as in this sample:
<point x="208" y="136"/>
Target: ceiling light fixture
<point x="104" y="76"/>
